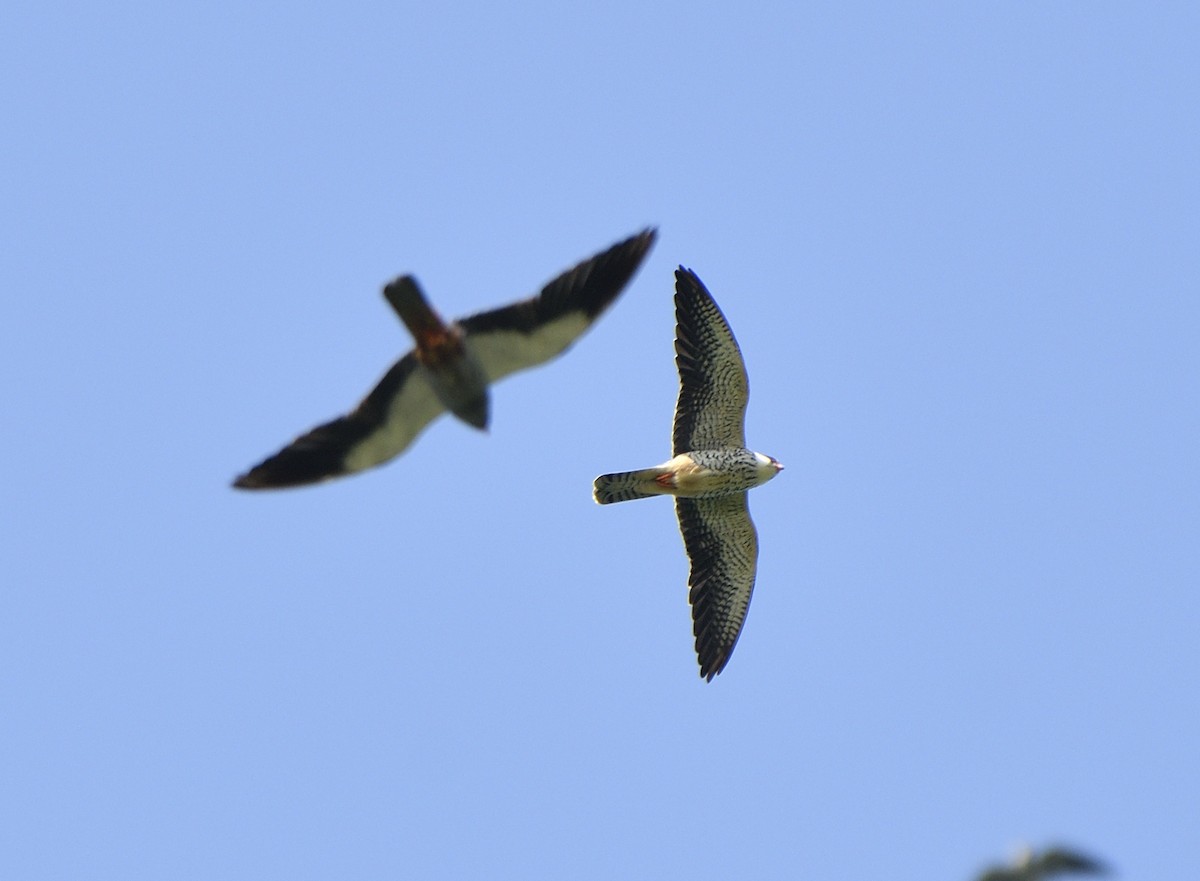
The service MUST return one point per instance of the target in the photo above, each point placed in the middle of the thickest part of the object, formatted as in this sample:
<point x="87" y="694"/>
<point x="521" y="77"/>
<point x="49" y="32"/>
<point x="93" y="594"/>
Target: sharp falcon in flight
<point x="451" y="368"/>
<point x="709" y="473"/>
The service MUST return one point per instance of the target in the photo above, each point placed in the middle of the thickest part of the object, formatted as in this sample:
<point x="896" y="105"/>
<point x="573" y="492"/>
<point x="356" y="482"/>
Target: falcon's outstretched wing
<point x="533" y="331"/>
<point x="722" y="547"/>
<point x="382" y="426"/>
<point x="713" y="389"/>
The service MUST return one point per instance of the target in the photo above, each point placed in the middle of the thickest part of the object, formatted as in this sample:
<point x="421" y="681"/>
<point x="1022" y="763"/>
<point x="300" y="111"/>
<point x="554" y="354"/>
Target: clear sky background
<point x="958" y="243"/>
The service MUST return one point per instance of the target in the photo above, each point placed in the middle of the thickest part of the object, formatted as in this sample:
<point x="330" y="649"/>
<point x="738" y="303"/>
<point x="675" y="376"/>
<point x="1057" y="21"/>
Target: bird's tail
<point x="405" y="297"/>
<point x="626" y="485"/>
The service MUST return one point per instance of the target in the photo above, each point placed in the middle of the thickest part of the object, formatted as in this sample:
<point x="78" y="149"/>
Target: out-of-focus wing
<point x="382" y="426"/>
<point x="531" y="332"/>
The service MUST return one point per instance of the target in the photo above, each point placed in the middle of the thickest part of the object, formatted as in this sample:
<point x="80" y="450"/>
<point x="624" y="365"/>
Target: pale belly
<point x="692" y="480"/>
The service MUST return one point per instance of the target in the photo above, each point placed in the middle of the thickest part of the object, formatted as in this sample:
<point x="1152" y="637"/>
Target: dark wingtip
<point x="307" y="460"/>
<point x="623" y="259"/>
<point x="686" y="281"/>
<point x="262" y="477"/>
<point x="643" y="242"/>
<point x="709" y="669"/>
<point x="603" y="277"/>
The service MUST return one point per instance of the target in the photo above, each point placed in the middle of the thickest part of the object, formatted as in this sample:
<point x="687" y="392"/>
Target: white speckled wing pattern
<point x="713" y="389"/>
<point x="722" y="545"/>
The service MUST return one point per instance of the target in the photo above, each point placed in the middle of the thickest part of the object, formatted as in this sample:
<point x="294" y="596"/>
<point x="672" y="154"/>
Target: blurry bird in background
<point x="1031" y="865"/>
<point x="451" y="368"/>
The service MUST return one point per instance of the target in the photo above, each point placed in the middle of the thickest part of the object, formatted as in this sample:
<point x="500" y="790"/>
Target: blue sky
<point x="958" y="246"/>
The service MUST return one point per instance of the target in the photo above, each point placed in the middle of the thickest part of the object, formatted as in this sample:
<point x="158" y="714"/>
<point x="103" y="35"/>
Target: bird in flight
<point x="1036" y="866"/>
<point x="451" y="368"/>
<point x="709" y="473"/>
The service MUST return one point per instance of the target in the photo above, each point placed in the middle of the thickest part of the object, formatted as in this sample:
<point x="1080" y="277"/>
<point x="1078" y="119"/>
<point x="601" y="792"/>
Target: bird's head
<point x="766" y="467"/>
